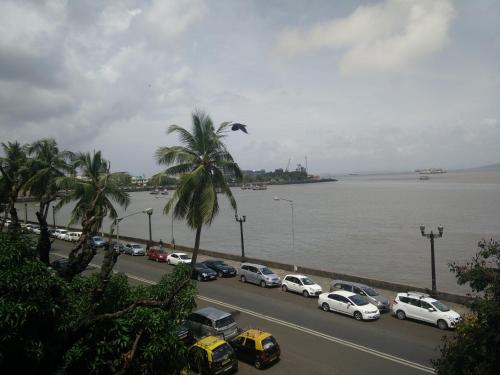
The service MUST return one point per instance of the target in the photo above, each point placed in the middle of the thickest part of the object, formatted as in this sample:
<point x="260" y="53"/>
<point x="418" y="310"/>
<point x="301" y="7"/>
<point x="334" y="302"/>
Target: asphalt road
<point x="312" y="341"/>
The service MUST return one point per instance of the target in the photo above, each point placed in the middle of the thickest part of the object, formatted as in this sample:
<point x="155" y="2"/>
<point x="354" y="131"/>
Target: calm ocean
<point x="361" y="225"/>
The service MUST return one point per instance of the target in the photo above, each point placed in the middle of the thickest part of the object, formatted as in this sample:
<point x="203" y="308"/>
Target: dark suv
<point x="222" y="269"/>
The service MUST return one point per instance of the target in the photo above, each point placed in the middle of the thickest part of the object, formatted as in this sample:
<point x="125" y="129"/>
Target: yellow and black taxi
<point x="257" y="347"/>
<point x="213" y="356"/>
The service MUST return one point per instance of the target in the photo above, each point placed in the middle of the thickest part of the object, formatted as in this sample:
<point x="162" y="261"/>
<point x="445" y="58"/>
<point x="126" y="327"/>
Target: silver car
<point x="212" y="321"/>
<point x="134" y="249"/>
<point x="370" y="294"/>
<point x="258" y="274"/>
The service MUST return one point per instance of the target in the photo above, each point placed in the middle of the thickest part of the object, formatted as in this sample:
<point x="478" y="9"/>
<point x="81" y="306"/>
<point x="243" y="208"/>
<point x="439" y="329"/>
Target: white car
<point x="300" y="284"/>
<point x="348" y="303"/>
<point x="73" y="236"/>
<point x="176" y="258"/>
<point x="423" y="307"/>
<point x="60" y="233"/>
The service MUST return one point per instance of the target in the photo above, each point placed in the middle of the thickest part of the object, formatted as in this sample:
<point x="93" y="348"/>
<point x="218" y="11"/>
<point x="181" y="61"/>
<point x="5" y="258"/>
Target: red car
<point x="157" y="253"/>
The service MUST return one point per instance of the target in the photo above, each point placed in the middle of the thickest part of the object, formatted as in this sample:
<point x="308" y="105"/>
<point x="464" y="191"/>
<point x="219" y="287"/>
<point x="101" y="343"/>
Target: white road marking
<point x="349" y="344"/>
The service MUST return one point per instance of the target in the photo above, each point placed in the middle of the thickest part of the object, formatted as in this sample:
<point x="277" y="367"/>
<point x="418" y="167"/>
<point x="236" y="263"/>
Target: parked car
<point x="157" y="253"/>
<point x="211" y="355"/>
<point x="134" y="249"/>
<point x="97" y="241"/>
<point x="35" y="228"/>
<point x="257" y="347"/>
<point x="176" y="258"/>
<point x="184" y="334"/>
<point x="258" y="274"/>
<point x="118" y="247"/>
<point x="202" y="273"/>
<point x="423" y="307"/>
<point x="300" y="284"/>
<point x="348" y="303"/>
<point x="370" y="294"/>
<point x="73" y="236"/>
<point x="219" y="266"/>
<point x="212" y="321"/>
<point x="52" y="233"/>
<point x="60" y="233"/>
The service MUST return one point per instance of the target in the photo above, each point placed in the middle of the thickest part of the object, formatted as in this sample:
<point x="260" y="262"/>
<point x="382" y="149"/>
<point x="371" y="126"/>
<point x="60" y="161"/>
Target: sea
<point x="363" y="225"/>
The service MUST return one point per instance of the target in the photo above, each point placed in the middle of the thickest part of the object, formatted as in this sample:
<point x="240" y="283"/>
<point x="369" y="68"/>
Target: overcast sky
<point x="354" y="85"/>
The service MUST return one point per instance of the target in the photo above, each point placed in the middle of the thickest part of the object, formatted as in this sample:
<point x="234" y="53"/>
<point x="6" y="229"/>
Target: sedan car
<point x="348" y="303"/>
<point x="134" y="249"/>
<point x="157" y="253"/>
<point x="370" y="294"/>
<point x="177" y="258"/>
<point x="300" y="284"/>
<point x="222" y="269"/>
<point x="202" y="273"/>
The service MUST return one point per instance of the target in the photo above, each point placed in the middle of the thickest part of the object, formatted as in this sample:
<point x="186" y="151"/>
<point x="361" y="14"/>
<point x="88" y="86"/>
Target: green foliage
<point x="475" y="347"/>
<point x="49" y="325"/>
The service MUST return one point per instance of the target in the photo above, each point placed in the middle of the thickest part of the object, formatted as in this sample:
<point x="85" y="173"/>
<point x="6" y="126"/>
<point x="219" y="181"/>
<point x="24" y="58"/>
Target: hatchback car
<point x="423" y="307"/>
<point x="202" y="273"/>
<point x="134" y="249"/>
<point x="97" y="241"/>
<point x="211" y="355"/>
<point x="158" y="254"/>
<point x="256" y="347"/>
<point x="258" y="274"/>
<point x="219" y="266"/>
<point x="348" y="303"/>
<point x="60" y="233"/>
<point x="370" y="294"/>
<point x="178" y="258"/>
<point x="300" y="284"/>
<point x="212" y="321"/>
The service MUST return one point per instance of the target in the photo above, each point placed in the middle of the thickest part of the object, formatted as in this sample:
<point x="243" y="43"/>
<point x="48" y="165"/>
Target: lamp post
<point x="54" y="216"/>
<point x="431" y="236"/>
<point x="148" y="211"/>
<point x="26" y="213"/>
<point x="241" y="220"/>
<point x="293" y="224"/>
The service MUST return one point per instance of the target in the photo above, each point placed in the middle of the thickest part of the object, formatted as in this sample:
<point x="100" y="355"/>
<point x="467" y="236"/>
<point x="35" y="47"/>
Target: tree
<point x="475" y="348"/>
<point x="95" y="192"/>
<point x="15" y="172"/>
<point x="203" y="164"/>
<point x="47" y="165"/>
<point x="52" y="326"/>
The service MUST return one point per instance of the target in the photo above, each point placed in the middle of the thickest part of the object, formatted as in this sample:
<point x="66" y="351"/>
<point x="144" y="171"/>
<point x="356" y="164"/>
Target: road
<point x="312" y="341"/>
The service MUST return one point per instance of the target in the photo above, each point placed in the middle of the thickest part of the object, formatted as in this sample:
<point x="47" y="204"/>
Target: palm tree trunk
<point x="43" y="245"/>
<point x="196" y="246"/>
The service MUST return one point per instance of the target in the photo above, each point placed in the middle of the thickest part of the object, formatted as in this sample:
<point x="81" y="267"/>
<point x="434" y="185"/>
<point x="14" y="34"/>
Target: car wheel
<point x="358" y="316"/>
<point x="243" y="279"/>
<point x="325" y="306"/>
<point x="168" y="261"/>
<point x="200" y="278"/>
<point x="257" y="364"/>
<point x="442" y="324"/>
<point x="305" y="293"/>
<point x="284" y="288"/>
<point x="263" y="284"/>
<point x="219" y="274"/>
<point x="400" y="315"/>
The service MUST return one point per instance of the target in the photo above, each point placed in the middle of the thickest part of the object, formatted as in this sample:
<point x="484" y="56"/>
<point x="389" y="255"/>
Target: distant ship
<point x="424" y="177"/>
<point x="430" y="171"/>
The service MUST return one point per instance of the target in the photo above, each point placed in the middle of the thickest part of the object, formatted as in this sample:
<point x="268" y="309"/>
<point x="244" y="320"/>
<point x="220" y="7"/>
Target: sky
<point x="354" y="86"/>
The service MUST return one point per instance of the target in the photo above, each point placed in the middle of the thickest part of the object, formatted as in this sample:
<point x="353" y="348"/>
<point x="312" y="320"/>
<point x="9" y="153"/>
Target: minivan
<point x="258" y="274"/>
<point x="212" y="321"/>
<point x="370" y="294"/>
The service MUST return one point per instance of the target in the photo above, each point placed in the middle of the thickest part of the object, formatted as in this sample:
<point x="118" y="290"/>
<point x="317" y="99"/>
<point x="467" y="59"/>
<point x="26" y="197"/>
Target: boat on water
<point x="155" y="192"/>
<point x="424" y="177"/>
<point x="259" y="187"/>
<point x="430" y="171"/>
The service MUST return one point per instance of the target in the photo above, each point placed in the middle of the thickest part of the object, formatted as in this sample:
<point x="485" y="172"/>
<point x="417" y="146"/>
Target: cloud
<point x="379" y="38"/>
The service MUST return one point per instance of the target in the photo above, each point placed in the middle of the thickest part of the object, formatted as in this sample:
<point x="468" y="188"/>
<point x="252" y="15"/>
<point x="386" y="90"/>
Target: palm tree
<point x="95" y="191"/>
<point x="47" y="164"/>
<point x="202" y="165"/>
<point x="15" y="172"/>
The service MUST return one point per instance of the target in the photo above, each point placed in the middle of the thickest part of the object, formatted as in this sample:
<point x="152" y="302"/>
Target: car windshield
<point x="370" y="292"/>
<point x="222" y="352"/>
<point x="266" y="271"/>
<point x="440" y="306"/>
<point x="268" y="342"/>
<point x="184" y="256"/>
<point x="216" y="262"/>
<point x="161" y="251"/>
<point x="224" y="322"/>
<point x="358" y="300"/>
<point x="137" y="246"/>
<point x="98" y="239"/>
<point x="307" y="281"/>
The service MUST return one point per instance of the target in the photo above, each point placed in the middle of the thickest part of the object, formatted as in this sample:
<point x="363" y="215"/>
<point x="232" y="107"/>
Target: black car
<point x="202" y="273"/>
<point x="184" y="333"/>
<point x="222" y="269"/>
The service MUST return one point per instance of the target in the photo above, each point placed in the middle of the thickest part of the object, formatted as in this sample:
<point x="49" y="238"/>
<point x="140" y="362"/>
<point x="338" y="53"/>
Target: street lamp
<point x="293" y="225"/>
<point x="431" y="236"/>
<point x="26" y="213"/>
<point x="241" y="220"/>
<point x="148" y="211"/>
<point x="54" y="216"/>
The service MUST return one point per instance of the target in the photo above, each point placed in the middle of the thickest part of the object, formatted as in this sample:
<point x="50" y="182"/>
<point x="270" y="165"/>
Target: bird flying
<point x="237" y="126"/>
